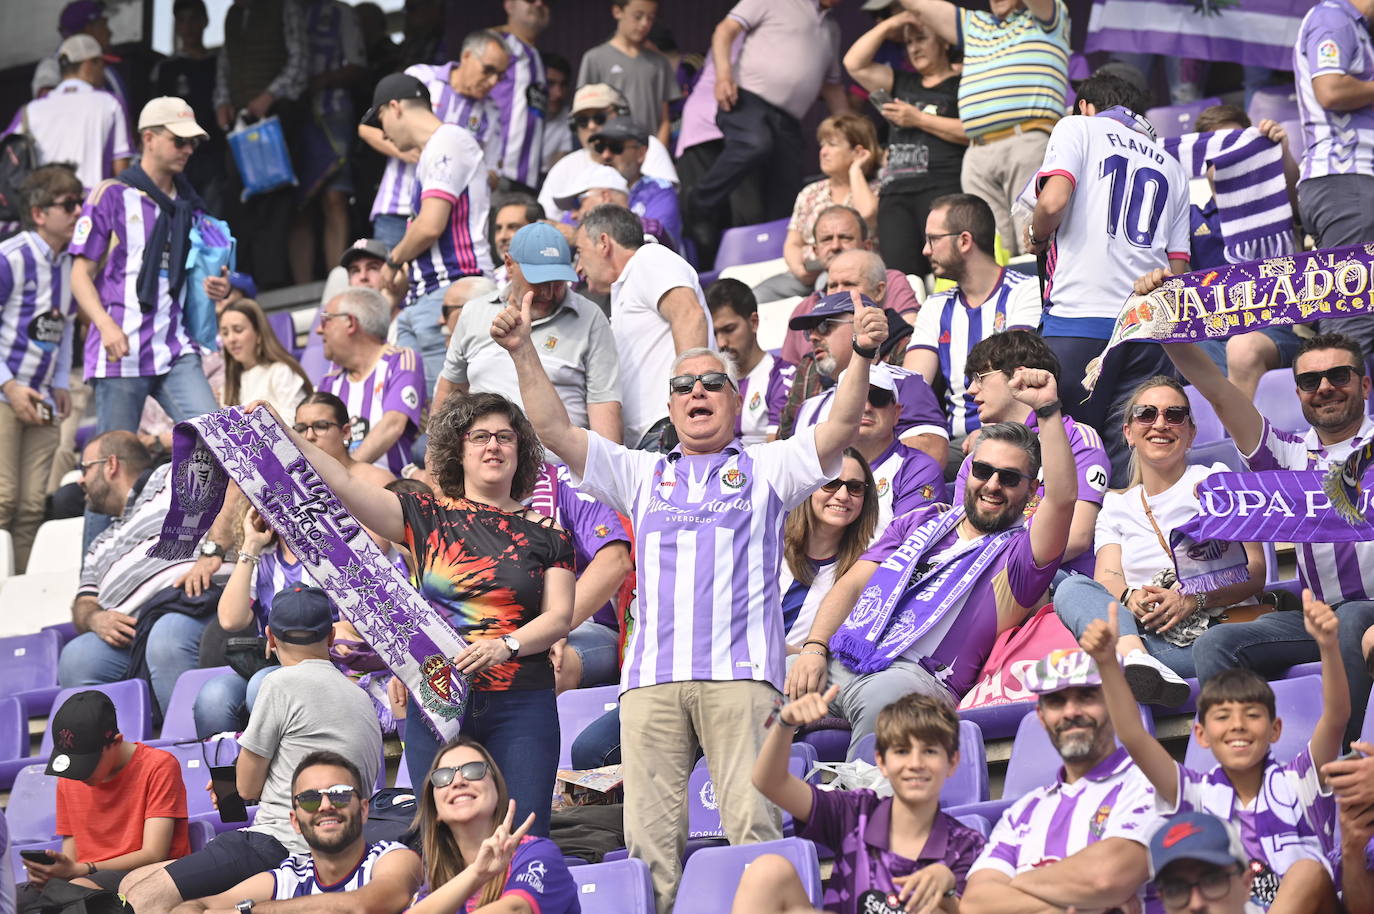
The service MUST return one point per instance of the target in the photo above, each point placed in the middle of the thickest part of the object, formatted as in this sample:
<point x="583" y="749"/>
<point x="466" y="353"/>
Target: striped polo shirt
<point x="451" y="168"/>
<point x="38" y="313"/>
<point x="522" y="95"/>
<point x="1015" y="69"/>
<point x="297" y="878"/>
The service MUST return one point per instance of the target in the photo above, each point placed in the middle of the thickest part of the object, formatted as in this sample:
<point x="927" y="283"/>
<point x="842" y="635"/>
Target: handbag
<point x="212" y="249"/>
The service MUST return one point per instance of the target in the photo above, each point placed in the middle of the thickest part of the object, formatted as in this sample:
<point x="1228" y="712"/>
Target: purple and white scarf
<point x="877" y="632"/>
<point x="1225" y="301"/>
<point x="415" y="640"/>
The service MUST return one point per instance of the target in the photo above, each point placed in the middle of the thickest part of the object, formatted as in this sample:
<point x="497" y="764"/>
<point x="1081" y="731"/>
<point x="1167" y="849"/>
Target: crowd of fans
<point x="584" y="458"/>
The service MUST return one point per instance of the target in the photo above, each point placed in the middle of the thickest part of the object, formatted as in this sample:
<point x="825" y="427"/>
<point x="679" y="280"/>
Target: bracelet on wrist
<point x="823" y="646"/>
<point x="817" y="653"/>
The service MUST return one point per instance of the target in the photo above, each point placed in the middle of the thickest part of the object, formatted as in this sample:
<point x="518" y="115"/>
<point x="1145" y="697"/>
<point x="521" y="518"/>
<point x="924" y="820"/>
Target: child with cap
<point x="1199" y="865"/>
<point x="120" y="805"/>
<point x="1285" y="810"/>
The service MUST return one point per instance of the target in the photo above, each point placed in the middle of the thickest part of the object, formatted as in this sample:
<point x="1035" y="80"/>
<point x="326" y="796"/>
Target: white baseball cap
<point x="172" y="113"/>
<point x="80" y="47"/>
<point x="600" y="176"/>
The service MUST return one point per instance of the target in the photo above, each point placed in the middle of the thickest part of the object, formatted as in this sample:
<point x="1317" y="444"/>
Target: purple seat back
<point x="313" y="362"/>
<point x="285" y="329"/>
<point x="1209" y="427"/>
<point x="968" y="783"/>
<point x="14" y="729"/>
<point x="32" y="813"/>
<point x="1298" y="703"/>
<point x="195" y="760"/>
<point x="577" y="708"/>
<point x="29" y="662"/>
<point x="976" y="822"/>
<point x="178" y="720"/>
<point x="751" y="244"/>
<point x="199" y="834"/>
<point x="1034" y="760"/>
<point x="1176" y="120"/>
<point x="133" y="709"/>
<point x="1217" y="452"/>
<point x="712" y="874"/>
<point x="703" y="810"/>
<point x="998" y="721"/>
<point x="1279" y="103"/>
<point x="619" y="887"/>
<point x="1277" y="400"/>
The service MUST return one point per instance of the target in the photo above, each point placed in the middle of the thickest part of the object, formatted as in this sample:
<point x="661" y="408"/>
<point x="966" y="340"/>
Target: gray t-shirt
<point x="301" y="709"/>
<point x="646" y="81"/>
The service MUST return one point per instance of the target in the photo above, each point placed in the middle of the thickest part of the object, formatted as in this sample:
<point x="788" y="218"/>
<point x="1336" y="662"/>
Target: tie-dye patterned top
<point x="485" y="569"/>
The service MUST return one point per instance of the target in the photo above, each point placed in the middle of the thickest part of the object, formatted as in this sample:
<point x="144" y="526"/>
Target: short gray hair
<point x="1017" y="433"/>
<point x="727" y="362"/>
<point x="617" y="221"/>
<point x="874" y="271"/>
<point x="369" y="308"/>
<point x="476" y="42"/>
<point x="473" y="287"/>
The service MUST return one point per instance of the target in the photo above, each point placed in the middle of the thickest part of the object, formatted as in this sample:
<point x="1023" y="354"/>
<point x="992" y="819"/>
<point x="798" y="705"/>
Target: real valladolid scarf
<point x="415" y="640"/>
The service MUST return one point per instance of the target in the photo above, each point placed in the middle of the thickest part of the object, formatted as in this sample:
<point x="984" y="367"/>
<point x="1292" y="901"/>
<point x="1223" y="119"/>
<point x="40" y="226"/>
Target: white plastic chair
<point x="35" y="601"/>
<point x="57" y="547"/>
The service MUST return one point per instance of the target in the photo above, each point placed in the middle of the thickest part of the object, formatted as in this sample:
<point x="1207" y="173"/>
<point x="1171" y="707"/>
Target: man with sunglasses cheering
<point x="921" y="610"/>
<point x="328" y="809"/>
<point x="705" y="661"/>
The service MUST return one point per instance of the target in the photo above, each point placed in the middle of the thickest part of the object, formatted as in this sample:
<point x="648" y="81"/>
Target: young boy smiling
<point x="895" y="854"/>
<point x="1285" y="811"/>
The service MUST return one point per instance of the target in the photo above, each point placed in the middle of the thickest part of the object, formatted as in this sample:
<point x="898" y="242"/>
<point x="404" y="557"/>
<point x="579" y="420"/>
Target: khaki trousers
<point x="998" y="172"/>
<point x="661" y="727"/>
<point x="26" y="453"/>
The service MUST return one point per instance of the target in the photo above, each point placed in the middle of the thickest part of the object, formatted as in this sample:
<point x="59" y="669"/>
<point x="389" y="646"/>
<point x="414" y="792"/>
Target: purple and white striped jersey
<point x="451" y="168"/>
<point x="921" y="413"/>
<point x="1336" y="572"/>
<point x="296" y="876"/>
<point x="273" y="575"/>
<point x="333" y="40"/>
<point x="1334" y="39"/>
<point x="708" y="542"/>
<point x="522" y="95"/>
<point x="80" y="124"/>
<point x="478" y="116"/>
<point x="947" y="326"/>
<point x="113" y="231"/>
<point x="762" y="395"/>
<point x="905" y="479"/>
<point x="38" y="316"/>
<point x="396" y="384"/>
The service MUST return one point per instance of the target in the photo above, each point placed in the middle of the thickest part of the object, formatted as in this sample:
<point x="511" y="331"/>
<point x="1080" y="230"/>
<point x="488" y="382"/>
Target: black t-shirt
<point x="485" y="568"/>
<point x="916" y="158"/>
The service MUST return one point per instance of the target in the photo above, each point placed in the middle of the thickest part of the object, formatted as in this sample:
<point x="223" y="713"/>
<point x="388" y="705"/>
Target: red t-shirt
<point x="106" y="820"/>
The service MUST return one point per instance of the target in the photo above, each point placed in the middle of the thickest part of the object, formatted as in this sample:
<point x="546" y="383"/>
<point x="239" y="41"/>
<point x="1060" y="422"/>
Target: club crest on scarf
<point x="199" y="481"/>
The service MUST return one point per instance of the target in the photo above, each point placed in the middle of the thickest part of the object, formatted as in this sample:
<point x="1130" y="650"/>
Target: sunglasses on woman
<point x="1340" y="376"/>
<point x="319" y="427"/>
<point x="855" y="487"/>
<point x="1173" y="415"/>
<point x="1008" y="478"/>
<point x="711" y="380"/>
<point x="340" y="796"/>
<point x="471" y="771"/>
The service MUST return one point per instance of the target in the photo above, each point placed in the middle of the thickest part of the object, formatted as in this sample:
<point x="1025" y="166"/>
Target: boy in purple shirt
<point x="1285" y="811"/>
<point x="900" y="853"/>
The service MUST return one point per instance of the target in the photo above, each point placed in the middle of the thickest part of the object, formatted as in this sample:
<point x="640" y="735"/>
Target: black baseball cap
<point x="300" y="615"/>
<point x="81" y="729"/>
<point x="394" y="87"/>
<point x="365" y="247"/>
<point x="622" y="128"/>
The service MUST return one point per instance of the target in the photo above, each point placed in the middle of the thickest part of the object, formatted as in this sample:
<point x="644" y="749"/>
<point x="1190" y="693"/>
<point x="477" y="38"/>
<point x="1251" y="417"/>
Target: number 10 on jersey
<point x="1136" y="201"/>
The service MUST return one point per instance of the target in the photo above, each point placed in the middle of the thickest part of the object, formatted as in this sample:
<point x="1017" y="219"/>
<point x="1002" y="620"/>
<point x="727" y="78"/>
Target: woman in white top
<point x="823" y="538"/>
<point x="256" y="365"/>
<point x="1138" y="568"/>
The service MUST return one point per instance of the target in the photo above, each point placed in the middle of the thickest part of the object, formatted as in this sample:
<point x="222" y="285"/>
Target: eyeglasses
<point x="855" y="487"/>
<point x="471" y="771"/>
<point x="481" y="437"/>
<point x="977" y="377"/>
<point x="1173" y="415"/>
<point x="583" y="121"/>
<point x="1008" y="478"/>
<point x="615" y="146"/>
<point x="489" y="71"/>
<point x="340" y="796"/>
<point x="319" y="427"/>
<point x="831" y="324"/>
<point x="328" y="316"/>
<point x="930" y="238"/>
<point x="67" y="206"/>
<point x="87" y="464"/>
<point x="711" y="380"/>
<point x="1340" y="376"/>
<point x="1175" y="893"/>
<point x="879" y="398"/>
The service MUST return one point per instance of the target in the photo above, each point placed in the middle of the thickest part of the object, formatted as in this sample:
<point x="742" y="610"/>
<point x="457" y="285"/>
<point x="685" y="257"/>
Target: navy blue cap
<point x="1195" y="836"/>
<point x="244" y="283"/>
<point x="832" y="305"/>
<point x="301" y="615"/>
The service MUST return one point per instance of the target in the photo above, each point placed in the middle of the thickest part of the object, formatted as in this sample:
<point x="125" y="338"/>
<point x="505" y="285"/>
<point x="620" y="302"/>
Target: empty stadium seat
<point x="14" y="729"/>
<point x="1278" y="103"/>
<point x="28" y="670"/>
<point x="576" y="709"/>
<point x="1214" y="452"/>
<point x="284" y="327"/>
<point x="178" y="719"/>
<point x="1298" y="704"/>
<point x="57" y="547"/>
<point x="968" y="783"/>
<point x="32" y="813"/>
<point x="1176" y="120"/>
<point x="751" y="243"/>
<point x="617" y="887"/>
<point x="39" y="600"/>
<point x="711" y="877"/>
<point x="1277" y="400"/>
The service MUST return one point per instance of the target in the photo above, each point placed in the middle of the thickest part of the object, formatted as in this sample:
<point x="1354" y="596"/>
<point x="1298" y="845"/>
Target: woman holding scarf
<point x="1173" y="592"/>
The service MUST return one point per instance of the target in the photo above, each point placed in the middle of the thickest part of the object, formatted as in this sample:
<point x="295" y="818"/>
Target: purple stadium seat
<point x="65" y="630"/>
<point x="969" y="782"/>
<point x="1209" y="427"/>
<point x="1217" y="452"/>
<point x="1298" y="702"/>
<point x="1176" y="120"/>
<point x="312" y="359"/>
<point x="829" y="736"/>
<point x="199" y="834"/>
<point x="1304" y="669"/>
<point x="978" y="823"/>
<point x="576" y="709"/>
<point x="14" y="729"/>
<point x="998" y="721"/>
<point x="178" y="721"/>
<point x="703" y="815"/>
<point x="285" y="329"/>
<point x="133" y="710"/>
<point x="32" y="813"/>
<point x="1297" y="139"/>
<point x="751" y="244"/>
<point x="28" y="671"/>
<point x="1279" y="103"/>
<point x="17" y="863"/>
<point x="196" y="759"/>
<point x="712" y="875"/>
<point x="618" y="887"/>
<point x="1277" y="401"/>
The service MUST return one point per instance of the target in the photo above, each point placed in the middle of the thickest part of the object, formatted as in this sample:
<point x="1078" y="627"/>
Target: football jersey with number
<point x="1128" y="214"/>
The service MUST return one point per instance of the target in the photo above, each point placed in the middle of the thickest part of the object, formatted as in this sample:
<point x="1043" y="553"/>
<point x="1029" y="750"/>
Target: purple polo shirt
<point x="1334" y="38"/>
<point x="655" y="198"/>
<point x="856" y="826"/>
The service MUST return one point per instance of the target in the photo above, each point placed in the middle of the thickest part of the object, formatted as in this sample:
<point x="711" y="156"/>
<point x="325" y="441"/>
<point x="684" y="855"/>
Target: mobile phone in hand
<point x="224" y="782"/>
<point x="1351" y="756"/>
<point x="45" y="412"/>
<point x="880" y="97"/>
<point x="43" y="857"/>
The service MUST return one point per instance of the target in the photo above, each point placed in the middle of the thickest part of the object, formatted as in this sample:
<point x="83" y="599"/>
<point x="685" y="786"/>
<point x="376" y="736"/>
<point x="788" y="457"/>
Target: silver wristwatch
<point x="245" y="906"/>
<point x="513" y="645"/>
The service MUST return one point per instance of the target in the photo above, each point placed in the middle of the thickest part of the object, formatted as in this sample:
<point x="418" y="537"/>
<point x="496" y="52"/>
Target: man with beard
<point x="1081" y="841"/>
<point x="1332" y="387"/>
<point x="921" y="610"/>
<point x="328" y="809"/>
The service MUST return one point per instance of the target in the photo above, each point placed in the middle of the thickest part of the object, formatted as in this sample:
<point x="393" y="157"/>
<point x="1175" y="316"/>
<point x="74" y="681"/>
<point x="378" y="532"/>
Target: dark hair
<point x="1010" y="350"/>
<point x="325" y="398"/>
<point x="1105" y="90"/>
<point x="534" y="212"/>
<point x="838" y="208"/>
<point x="1213" y="117"/>
<point x="334" y="760"/>
<point x="194" y="6"/>
<point x="796" y="531"/>
<point x="733" y="294"/>
<point x="1019" y="434"/>
<point x="557" y="62"/>
<point x="970" y="213"/>
<point x="126" y="447"/>
<point x="1238" y="684"/>
<point x="408" y="486"/>
<point x="617" y="221"/>
<point x="44" y="185"/>
<point x="448" y="429"/>
<point x="1331" y="341"/>
<point x="439" y="849"/>
<point x="928" y="718"/>
<point x="268" y="350"/>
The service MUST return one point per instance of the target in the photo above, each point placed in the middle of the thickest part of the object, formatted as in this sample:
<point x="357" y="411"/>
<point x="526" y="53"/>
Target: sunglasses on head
<point x="584" y="121"/>
<point x="615" y="146"/>
<point x="340" y="795"/>
<point x="855" y="487"/>
<point x="1340" y="376"/>
<point x="711" y="380"/>
<point x="319" y="426"/>
<point x="1173" y="415"/>
<point x="471" y="771"/>
<point x="1008" y="478"/>
<point x="67" y="206"/>
<point x="879" y="398"/>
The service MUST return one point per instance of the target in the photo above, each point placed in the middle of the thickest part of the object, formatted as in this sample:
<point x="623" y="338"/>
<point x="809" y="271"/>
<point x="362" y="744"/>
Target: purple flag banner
<point x="1259" y="33"/>
<point x="1223" y="301"/>
<point x="416" y="642"/>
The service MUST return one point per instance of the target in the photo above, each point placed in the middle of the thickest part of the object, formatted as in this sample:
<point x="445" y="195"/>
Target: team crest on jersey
<point x="755" y="400"/>
<point x="550" y="343"/>
<point x="1031" y="504"/>
<point x="733" y="478"/>
<point x="83" y="230"/>
<point x="945" y="338"/>
<point x="601" y="529"/>
<point x="1098" y="827"/>
<point x="882" y="487"/>
<point x="927" y="491"/>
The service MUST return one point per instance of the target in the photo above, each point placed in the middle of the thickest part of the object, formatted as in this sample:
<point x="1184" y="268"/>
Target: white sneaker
<point x="1153" y="683"/>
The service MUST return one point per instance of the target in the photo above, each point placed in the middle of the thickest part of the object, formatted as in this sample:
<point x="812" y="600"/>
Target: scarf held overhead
<point x="1225" y="301"/>
<point x="413" y="639"/>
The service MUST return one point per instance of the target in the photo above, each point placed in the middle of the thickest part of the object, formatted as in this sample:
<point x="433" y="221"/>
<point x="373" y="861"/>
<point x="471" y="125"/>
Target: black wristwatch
<point x="866" y="353"/>
<point x="212" y="549"/>
<point x="393" y="264"/>
<point x="1049" y="409"/>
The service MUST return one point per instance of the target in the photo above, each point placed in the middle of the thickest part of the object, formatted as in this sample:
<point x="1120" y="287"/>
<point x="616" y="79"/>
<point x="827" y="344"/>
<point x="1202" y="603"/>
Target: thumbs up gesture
<point x="511" y="328"/>
<point x="870" y="324"/>
<point x="1099" y="639"/>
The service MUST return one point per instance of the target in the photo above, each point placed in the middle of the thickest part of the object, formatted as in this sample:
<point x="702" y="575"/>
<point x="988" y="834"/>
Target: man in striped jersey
<point x="328" y="809"/>
<point x="705" y="661"/>
<point x="523" y="94"/>
<point x="1081" y="842"/>
<point x="36" y="328"/>
<point x="765" y="379"/>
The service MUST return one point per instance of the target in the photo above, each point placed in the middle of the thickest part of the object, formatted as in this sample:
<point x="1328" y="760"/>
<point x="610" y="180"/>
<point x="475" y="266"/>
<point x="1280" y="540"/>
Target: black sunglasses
<point x="67" y="206"/>
<point x="615" y="146"/>
<point x="1173" y="415"/>
<point x="340" y="796"/>
<point x="1008" y="478"/>
<point x="471" y="771"/>
<point x="879" y="398"/>
<point x="856" y="487"/>
<point x="586" y="120"/>
<point x="1213" y="885"/>
<point x="1340" y="376"/>
<point x="711" y="380"/>
<point x="181" y="142"/>
<point x="320" y="426"/>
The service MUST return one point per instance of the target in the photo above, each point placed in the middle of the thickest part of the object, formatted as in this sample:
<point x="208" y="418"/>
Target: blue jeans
<point x="225" y="702"/>
<point x="389" y="228"/>
<point x="519" y="729"/>
<point x="598" y="646"/>
<point x="418" y="328"/>
<point x="599" y="743"/>
<point x="1079" y="600"/>
<point x="173" y="648"/>
<point x="1276" y="641"/>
